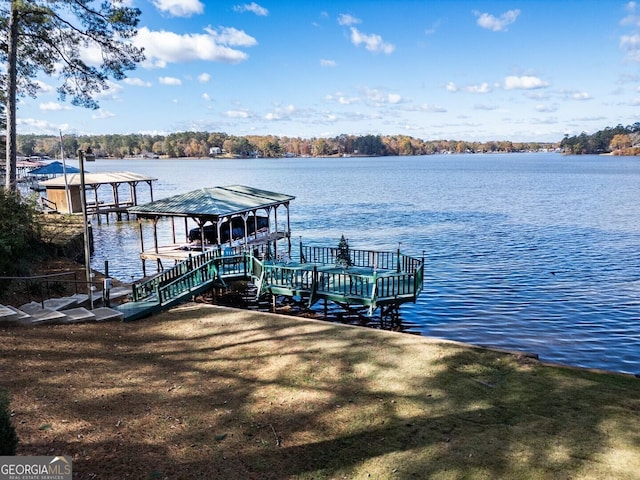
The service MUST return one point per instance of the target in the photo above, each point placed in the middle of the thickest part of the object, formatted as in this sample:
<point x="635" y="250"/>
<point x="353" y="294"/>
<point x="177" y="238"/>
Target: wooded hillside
<point x="618" y="140"/>
<point x="204" y="144"/>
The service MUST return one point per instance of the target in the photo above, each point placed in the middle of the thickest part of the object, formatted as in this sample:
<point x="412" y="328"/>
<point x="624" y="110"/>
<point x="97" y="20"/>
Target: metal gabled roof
<point x="54" y="168"/>
<point x="212" y="202"/>
<point x="99" y="179"/>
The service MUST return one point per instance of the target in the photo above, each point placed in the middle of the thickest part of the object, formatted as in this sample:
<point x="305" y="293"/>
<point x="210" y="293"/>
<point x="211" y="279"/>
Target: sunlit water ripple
<point x="530" y="252"/>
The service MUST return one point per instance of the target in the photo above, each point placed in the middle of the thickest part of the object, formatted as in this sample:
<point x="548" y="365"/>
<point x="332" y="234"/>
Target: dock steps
<point x="56" y="311"/>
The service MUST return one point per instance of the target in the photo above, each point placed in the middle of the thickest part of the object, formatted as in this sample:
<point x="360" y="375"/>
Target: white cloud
<point x="53" y="106"/>
<point x="545" y="108"/>
<point x="102" y="114"/>
<point x="537" y="95"/>
<point x="44" y="87"/>
<point x="206" y="97"/>
<point x="581" y="96"/>
<point x="110" y="93"/>
<point x="378" y="97"/>
<point x="345" y="19"/>
<point x="342" y="100"/>
<point x="373" y="42"/>
<point x="231" y="36"/>
<point x="252" y="7"/>
<point x="525" y="82"/>
<point x="136" y="82"/>
<point x="480" y="88"/>
<point x="204" y="78"/>
<point x="29" y="125"/>
<point x="631" y="43"/>
<point x="485" y="107"/>
<point x="632" y="17"/>
<point x="394" y="98"/>
<point x="451" y="87"/>
<point x="426" y="107"/>
<point x="237" y="114"/>
<point x="180" y="8"/>
<point x="162" y="47"/>
<point x="488" y="21"/>
<point x="328" y="63"/>
<point x="280" y="113"/>
<point x="170" y="81"/>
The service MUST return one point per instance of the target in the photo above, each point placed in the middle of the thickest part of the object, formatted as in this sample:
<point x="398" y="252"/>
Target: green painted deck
<point x="373" y="280"/>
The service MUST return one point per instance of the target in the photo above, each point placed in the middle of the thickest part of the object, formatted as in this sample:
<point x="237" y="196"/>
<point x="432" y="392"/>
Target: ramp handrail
<point x="187" y="282"/>
<point x="378" y="260"/>
<point x="147" y="288"/>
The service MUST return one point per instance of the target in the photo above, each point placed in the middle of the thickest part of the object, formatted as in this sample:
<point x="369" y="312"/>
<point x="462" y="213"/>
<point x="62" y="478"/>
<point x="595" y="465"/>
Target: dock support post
<point x="87" y="248"/>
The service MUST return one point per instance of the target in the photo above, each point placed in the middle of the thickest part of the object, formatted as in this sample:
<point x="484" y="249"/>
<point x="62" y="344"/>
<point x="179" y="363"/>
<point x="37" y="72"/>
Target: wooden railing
<point x="286" y="277"/>
<point x="345" y="284"/>
<point x="187" y="282"/>
<point x="149" y="287"/>
<point x="43" y="287"/>
<point x="202" y="268"/>
<point x="394" y="277"/>
<point x="48" y="205"/>
<point x="362" y="258"/>
<point x="390" y="276"/>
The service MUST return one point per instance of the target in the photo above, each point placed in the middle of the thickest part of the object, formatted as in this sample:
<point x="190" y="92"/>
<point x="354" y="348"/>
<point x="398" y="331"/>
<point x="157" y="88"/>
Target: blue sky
<point x="465" y="70"/>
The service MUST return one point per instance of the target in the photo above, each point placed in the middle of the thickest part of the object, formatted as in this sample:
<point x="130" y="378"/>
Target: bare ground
<point x="212" y="392"/>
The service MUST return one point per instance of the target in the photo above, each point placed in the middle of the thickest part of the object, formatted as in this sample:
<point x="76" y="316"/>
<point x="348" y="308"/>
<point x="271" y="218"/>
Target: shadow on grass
<point x="216" y="393"/>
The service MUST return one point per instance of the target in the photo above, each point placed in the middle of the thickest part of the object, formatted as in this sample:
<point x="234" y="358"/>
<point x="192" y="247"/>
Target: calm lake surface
<point x="531" y="252"/>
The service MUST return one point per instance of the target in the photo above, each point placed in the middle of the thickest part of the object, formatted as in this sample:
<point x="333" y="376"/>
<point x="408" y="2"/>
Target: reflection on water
<point x="532" y="252"/>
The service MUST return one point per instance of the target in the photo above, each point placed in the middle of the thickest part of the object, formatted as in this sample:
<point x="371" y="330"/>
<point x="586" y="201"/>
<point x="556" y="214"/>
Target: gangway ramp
<point x="180" y="283"/>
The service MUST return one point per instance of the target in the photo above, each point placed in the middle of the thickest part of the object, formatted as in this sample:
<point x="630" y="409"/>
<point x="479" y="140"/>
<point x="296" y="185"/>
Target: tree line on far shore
<point x="618" y="140"/>
<point x="205" y="144"/>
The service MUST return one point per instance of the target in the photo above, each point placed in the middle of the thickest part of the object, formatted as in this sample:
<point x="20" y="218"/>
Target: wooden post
<point x="144" y="270"/>
<point x="87" y="249"/>
<point x="275" y="238"/>
<point x="288" y="227"/>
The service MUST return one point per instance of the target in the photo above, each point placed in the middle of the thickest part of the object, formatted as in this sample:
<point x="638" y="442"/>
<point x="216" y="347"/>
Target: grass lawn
<point x="217" y="393"/>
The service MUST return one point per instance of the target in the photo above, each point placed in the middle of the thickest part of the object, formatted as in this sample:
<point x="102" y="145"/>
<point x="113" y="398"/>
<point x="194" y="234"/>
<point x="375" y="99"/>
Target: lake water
<point x="531" y="252"/>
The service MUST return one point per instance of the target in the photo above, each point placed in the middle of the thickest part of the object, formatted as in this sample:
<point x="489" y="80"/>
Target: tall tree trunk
<point x="12" y="146"/>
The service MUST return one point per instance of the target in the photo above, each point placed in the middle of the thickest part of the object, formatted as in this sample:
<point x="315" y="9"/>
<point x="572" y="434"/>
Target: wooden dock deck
<point x="392" y="280"/>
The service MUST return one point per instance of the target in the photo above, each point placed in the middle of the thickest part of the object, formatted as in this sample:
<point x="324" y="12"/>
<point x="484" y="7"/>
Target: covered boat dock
<point x="239" y="237"/>
<point x="64" y="193"/>
<point x="230" y="219"/>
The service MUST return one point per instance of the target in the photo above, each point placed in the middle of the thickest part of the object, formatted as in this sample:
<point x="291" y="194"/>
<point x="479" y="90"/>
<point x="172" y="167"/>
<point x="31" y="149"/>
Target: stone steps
<point x="57" y="311"/>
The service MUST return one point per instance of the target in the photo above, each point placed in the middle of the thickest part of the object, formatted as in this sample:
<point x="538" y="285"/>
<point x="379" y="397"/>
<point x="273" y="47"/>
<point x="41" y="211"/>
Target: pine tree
<point x="49" y="36"/>
<point x="343" y="258"/>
